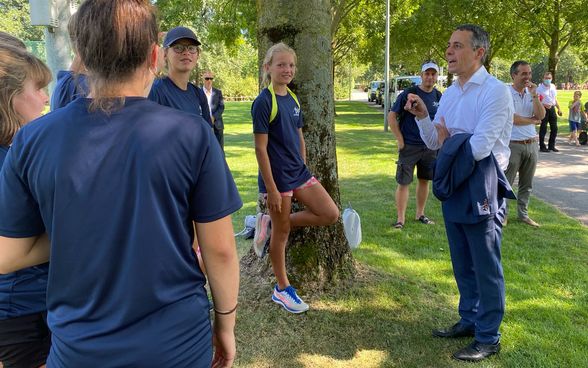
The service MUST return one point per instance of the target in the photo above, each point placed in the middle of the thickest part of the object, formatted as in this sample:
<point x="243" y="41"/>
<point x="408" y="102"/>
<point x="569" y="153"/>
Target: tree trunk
<point x="553" y="58"/>
<point x="315" y="256"/>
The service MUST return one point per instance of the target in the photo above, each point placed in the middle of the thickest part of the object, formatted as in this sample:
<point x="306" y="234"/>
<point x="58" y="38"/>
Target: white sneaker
<point x="288" y="299"/>
<point x="262" y="234"/>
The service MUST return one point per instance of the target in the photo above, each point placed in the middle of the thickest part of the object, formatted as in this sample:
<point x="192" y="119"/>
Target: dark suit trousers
<point x="475" y="255"/>
<point x="551" y="118"/>
<point x="218" y="133"/>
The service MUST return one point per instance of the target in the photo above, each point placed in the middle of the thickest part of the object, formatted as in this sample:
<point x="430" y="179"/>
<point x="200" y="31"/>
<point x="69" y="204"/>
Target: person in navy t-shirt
<point x="71" y="84"/>
<point x="181" y="51"/>
<point x="412" y="151"/>
<point x="281" y="156"/>
<point x="114" y="184"/>
<point x="24" y="337"/>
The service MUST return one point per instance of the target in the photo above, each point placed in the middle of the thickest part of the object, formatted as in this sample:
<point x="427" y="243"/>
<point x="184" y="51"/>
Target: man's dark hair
<point x="514" y="68"/>
<point x="480" y="38"/>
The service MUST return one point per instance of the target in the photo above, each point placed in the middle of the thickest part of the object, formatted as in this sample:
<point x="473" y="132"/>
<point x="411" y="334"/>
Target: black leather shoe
<point x="554" y="149"/>
<point x="476" y="351"/>
<point x="543" y="149"/>
<point x="457" y="330"/>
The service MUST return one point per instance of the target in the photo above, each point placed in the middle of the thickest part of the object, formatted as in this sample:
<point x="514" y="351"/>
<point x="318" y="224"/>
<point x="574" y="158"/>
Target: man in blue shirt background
<point x="412" y="151"/>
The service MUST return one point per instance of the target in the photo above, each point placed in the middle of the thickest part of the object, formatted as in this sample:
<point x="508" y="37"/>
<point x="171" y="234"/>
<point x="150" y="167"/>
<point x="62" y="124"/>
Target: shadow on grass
<point x="376" y="323"/>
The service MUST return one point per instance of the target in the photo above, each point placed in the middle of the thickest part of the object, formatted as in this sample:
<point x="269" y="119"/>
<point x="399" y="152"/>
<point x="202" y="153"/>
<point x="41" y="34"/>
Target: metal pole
<point x="387" y="68"/>
<point x="57" y="41"/>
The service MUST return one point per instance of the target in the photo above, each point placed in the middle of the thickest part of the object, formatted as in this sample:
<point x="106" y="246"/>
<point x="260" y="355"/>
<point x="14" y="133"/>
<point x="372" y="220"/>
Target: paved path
<point x="561" y="178"/>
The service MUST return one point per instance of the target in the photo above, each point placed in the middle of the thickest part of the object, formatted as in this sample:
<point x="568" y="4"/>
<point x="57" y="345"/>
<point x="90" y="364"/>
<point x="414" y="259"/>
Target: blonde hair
<point x="269" y="56"/>
<point x="16" y="67"/>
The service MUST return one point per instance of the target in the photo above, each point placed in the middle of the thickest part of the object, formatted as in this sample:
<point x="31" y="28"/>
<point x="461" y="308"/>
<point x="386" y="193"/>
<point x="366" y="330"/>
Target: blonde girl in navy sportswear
<point x="283" y="175"/>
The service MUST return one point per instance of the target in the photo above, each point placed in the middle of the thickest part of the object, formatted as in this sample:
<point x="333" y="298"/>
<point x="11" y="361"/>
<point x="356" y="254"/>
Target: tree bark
<point x="316" y="256"/>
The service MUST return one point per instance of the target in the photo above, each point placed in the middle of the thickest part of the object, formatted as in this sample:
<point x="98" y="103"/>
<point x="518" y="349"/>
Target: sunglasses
<point x="208" y="78"/>
<point x="178" y="49"/>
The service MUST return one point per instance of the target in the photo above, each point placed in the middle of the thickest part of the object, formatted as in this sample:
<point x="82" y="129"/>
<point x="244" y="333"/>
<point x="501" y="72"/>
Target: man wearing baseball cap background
<point x="412" y="151"/>
<point x="181" y="50"/>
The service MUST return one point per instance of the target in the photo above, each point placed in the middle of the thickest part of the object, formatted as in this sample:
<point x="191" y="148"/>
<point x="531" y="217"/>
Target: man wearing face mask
<point x="548" y="97"/>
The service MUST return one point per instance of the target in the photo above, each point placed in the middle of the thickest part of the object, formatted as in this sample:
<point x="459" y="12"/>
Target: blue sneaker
<point x="288" y="299"/>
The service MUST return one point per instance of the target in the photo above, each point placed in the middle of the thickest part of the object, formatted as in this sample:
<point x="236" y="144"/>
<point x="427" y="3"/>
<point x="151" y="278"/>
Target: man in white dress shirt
<point x="548" y="97"/>
<point x="480" y="105"/>
<point x="524" y="150"/>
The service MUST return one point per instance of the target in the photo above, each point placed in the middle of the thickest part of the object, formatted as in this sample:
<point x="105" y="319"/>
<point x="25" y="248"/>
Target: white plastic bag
<point x="352" y="227"/>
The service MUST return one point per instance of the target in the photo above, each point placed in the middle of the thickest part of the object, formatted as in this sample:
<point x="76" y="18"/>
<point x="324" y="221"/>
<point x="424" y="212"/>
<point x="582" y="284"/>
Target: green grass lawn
<point x="405" y="286"/>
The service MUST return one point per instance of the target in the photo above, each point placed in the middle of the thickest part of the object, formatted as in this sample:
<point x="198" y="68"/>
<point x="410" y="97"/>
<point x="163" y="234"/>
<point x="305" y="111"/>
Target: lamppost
<point x="54" y="16"/>
<point x="387" y="68"/>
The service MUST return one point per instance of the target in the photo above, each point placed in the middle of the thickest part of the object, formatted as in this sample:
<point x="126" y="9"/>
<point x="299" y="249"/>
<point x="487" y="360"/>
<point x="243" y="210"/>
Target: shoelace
<point x="292" y="293"/>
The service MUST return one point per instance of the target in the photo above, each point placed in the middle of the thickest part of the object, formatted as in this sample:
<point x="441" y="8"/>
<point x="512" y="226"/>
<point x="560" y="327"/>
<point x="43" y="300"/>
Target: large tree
<point x="319" y="255"/>
<point x="557" y="23"/>
<point x="426" y="32"/>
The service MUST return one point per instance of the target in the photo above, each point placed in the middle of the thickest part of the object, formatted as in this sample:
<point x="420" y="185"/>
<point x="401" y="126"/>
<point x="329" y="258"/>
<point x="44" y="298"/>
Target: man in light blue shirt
<point x="481" y="106"/>
<point x="524" y="149"/>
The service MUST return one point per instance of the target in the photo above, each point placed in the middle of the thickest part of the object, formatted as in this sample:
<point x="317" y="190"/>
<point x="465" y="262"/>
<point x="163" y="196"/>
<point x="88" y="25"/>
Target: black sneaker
<point x="554" y="149"/>
<point x="543" y="149"/>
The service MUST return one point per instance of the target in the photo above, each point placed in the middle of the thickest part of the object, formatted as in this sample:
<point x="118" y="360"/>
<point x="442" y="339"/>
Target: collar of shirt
<point x="478" y="78"/>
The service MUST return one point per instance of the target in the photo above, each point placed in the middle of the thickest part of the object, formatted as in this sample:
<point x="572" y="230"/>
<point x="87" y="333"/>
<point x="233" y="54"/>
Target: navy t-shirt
<point x="193" y="100"/>
<point x="117" y="195"/>
<point x="408" y="126"/>
<point x="22" y="292"/>
<point x="283" y="147"/>
<point x="69" y="86"/>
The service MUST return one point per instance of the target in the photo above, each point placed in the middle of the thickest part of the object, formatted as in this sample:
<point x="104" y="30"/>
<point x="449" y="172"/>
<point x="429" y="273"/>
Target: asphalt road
<point x="561" y="178"/>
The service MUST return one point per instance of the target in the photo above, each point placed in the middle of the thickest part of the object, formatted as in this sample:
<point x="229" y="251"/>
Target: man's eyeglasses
<point x="208" y="78"/>
<point x="178" y="49"/>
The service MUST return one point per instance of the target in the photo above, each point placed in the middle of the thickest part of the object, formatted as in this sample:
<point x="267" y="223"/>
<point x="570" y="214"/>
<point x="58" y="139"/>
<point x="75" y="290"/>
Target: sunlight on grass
<point x="363" y="358"/>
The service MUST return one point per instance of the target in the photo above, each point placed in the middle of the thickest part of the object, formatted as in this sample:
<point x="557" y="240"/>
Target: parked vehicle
<point x="399" y="84"/>
<point x="372" y="90"/>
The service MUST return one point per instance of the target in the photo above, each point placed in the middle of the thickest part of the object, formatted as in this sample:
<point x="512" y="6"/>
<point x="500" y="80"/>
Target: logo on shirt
<point x="435" y="103"/>
<point x="297" y="111"/>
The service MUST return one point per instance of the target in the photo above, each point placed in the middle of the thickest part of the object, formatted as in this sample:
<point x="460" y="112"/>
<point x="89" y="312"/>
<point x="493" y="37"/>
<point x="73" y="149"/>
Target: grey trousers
<point x="523" y="160"/>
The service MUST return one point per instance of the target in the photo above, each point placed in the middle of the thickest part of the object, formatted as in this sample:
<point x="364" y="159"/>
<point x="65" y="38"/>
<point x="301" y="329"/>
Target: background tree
<point x="557" y="23"/>
<point x="16" y="20"/>
<point x="425" y="34"/>
<point x="320" y="255"/>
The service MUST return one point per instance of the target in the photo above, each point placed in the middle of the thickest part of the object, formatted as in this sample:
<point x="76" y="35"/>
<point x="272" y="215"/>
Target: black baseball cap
<point x="178" y="33"/>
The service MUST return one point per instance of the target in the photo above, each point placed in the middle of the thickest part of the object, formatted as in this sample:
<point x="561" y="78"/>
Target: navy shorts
<point x="574" y="126"/>
<point x="411" y="156"/>
<point x="24" y="341"/>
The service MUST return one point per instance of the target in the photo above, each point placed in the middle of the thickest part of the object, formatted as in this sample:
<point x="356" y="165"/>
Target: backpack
<point x="352" y="227"/>
<point x="413" y="90"/>
<point x="274" y="111"/>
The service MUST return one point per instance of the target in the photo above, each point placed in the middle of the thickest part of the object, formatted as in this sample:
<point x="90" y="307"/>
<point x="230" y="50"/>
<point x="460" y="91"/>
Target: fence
<point x="240" y="98"/>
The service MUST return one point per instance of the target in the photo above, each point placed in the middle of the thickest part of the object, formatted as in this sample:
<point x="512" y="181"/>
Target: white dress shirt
<point x="209" y="94"/>
<point x="523" y="107"/>
<point x="482" y="107"/>
<point x="548" y="94"/>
